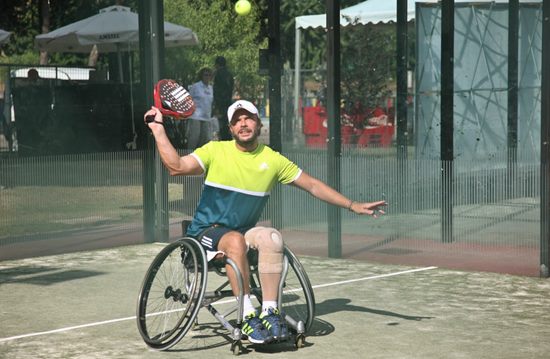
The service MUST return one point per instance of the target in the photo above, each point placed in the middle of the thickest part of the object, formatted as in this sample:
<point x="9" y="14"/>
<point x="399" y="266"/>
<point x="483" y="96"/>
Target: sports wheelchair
<point x="175" y="288"/>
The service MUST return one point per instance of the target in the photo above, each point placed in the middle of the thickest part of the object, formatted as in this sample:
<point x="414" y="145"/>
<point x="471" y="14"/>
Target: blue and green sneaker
<point x="253" y="328"/>
<point x="275" y="323"/>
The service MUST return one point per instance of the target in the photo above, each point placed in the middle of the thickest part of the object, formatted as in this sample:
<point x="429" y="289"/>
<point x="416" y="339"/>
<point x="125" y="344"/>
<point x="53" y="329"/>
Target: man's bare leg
<point x="234" y="247"/>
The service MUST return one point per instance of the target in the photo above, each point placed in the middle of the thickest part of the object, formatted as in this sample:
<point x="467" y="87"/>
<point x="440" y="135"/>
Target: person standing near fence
<point x="5" y="125"/>
<point x="223" y="96"/>
<point x="199" y="126"/>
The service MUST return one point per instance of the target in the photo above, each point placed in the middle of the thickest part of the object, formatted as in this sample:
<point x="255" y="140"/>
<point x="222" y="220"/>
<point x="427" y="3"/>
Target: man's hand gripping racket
<point x="171" y="99"/>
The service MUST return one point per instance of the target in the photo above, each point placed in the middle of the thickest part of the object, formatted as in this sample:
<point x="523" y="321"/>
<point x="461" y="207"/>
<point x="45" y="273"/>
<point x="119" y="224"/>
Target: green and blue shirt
<point x="237" y="184"/>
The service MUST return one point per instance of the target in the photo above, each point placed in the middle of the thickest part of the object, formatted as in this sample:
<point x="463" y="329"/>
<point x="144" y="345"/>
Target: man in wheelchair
<point x="239" y="177"/>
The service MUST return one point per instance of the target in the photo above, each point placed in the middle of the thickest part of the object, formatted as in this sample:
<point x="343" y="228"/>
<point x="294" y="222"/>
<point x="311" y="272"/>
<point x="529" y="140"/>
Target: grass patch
<point x="41" y="209"/>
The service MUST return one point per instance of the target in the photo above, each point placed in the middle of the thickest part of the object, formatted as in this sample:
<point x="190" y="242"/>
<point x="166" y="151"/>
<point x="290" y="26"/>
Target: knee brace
<point x="269" y="244"/>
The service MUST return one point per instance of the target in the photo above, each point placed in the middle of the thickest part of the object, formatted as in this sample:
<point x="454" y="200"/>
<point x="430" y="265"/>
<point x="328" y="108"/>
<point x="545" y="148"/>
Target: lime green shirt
<point x="237" y="184"/>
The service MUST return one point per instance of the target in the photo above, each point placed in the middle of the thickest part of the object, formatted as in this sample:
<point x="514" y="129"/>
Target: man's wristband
<point x="350" y="205"/>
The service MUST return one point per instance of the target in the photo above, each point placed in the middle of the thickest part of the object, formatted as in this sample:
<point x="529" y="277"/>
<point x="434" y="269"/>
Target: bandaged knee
<point x="269" y="244"/>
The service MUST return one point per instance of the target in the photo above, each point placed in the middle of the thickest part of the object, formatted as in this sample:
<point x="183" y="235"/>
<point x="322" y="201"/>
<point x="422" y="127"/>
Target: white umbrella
<point x="4" y="36"/>
<point x="115" y="28"/>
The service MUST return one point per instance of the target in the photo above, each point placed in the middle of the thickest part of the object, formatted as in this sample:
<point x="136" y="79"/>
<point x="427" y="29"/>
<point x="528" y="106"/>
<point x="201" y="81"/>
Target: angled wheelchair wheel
<point x="171" y="293"/>
<point x="298" y="300"/>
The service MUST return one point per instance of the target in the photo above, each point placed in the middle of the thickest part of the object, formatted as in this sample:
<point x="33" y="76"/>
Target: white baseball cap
<point x="241" y="104"/>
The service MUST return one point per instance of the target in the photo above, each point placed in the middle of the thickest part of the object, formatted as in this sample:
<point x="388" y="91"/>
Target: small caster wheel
<point x="300" y="341"/>
<point x="236" y="347"/>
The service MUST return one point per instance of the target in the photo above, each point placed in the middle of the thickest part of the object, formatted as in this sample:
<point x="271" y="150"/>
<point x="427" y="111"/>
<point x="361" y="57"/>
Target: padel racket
<point x="172" y="100"/>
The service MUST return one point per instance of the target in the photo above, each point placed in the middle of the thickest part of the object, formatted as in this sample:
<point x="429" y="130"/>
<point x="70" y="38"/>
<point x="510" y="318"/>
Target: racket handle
<point x="149" y="118"/>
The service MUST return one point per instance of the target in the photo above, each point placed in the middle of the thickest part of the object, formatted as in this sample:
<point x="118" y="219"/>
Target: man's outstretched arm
<point x="321" y="190"/>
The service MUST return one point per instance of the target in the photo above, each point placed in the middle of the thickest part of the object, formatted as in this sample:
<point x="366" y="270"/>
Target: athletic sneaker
<point x="275" y="323"/>
<point x="253" y="328"/>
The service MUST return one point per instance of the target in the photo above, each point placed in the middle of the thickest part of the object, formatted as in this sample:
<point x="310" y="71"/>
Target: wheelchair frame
<point x="174" y="290"/>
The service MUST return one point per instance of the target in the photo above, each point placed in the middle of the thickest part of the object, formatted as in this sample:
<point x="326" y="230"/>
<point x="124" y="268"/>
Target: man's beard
<point x="249" y="141"/>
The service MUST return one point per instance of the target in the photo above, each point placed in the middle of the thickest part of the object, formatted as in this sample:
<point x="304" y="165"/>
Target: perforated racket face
<point x="174" y="99"/>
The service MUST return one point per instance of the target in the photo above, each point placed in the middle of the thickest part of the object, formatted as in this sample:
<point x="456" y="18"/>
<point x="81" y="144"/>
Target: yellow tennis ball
<point x="243" y="7"/>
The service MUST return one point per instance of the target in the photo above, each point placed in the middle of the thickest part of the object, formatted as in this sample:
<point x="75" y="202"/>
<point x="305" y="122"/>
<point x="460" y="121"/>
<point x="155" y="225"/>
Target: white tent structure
<point x="480" y="72"/>
<point x="367" y="12"/>
<point x="370" y="11"/>
<point x="4" y="36"/>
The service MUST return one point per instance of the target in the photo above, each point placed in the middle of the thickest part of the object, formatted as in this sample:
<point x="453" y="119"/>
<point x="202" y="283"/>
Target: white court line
<point x="66" y="329"/>
<point x="374" y="277"/>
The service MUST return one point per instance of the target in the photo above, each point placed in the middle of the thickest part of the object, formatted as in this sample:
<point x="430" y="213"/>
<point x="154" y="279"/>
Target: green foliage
<point x="313" y="40"/>
<point x="367" y="51"/>
<point x="221" y="32"/>
<point x="367" y="63"/>
<point x="21" y="18"/>
<point x="25" y="21"/>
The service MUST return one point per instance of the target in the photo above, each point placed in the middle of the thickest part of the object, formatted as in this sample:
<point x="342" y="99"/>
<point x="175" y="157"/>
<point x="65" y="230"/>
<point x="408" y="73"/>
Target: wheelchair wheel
<point x="298" y="300"/>
<point x="171" y="293"/>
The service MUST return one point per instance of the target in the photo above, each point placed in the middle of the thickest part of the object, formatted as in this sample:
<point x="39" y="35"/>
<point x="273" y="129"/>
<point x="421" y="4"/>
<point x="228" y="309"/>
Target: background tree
<point x="28" y="18"/>
<point x="368" y="63"/>
<point x="45" y="21"/>
<point x="221" y="33"/>
<point x="313" y="40"/>
<point x="367" y="51"/>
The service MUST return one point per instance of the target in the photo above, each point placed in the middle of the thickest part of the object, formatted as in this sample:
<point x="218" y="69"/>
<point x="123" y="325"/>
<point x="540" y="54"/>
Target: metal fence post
<point x="155" y="179"/>
<point x="447" y="118"/>
<point x="334" y="215"/>
<point x="545" y="144"/>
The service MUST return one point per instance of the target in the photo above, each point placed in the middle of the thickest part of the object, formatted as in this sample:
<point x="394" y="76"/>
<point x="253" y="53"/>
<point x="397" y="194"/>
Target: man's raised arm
<point x="174" y="163"/>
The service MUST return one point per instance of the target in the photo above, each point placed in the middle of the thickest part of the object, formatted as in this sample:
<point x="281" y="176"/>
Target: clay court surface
<point x="82" y="305"/>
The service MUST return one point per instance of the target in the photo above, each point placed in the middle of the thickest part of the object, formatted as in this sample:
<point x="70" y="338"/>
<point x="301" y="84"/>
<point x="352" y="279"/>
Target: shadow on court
<point x="82" y="305"/>
<point x="332" y="306"/>
<point x="43" y="276"/>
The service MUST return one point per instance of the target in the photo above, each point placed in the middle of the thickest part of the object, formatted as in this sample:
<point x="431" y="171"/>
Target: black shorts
<point x="211" y="236"/>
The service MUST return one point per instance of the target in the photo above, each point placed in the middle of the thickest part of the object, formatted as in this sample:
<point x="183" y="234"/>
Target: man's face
<point x="245" y="127"/>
